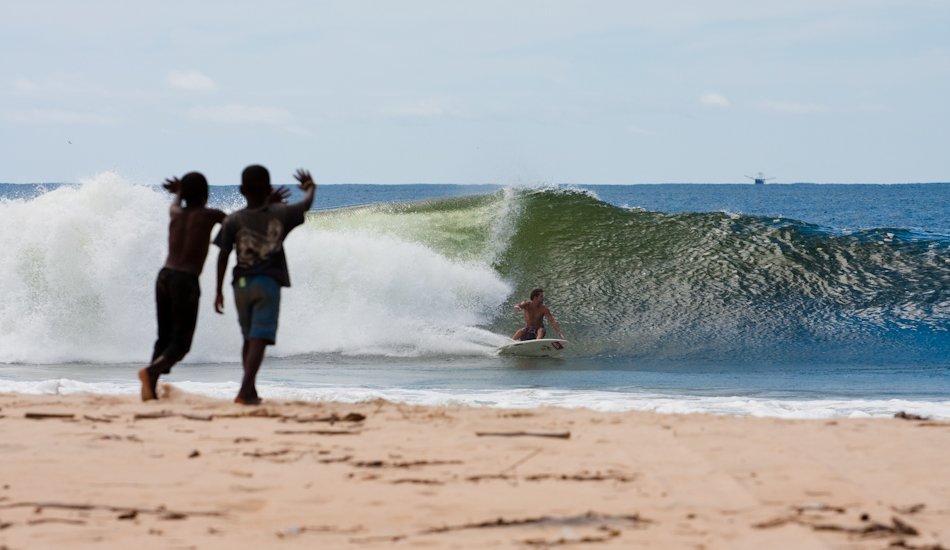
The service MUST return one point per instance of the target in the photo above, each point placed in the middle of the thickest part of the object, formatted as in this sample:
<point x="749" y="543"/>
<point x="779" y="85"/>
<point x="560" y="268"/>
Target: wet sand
<point x="195" y="472"/>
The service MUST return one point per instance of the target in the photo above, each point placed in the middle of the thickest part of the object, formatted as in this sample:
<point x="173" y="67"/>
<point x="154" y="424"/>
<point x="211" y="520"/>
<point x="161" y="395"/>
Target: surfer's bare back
<point x="534" y="314"/>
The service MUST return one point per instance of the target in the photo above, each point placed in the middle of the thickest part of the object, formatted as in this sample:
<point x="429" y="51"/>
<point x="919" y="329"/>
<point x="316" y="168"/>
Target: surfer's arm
<point x="553" y="323"/>
<point x="520" y="306"/>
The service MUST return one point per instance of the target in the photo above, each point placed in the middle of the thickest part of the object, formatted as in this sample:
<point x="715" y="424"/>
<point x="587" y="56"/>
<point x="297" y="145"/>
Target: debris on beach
<point x="907" y="416"/>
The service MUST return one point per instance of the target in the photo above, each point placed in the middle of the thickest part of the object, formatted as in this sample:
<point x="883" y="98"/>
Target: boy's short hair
<point x="535" y="292"/>
<point x="255" y="181"/>
<point x="194" y="188"/>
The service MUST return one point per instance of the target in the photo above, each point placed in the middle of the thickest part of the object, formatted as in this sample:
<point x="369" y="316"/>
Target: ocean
<point x="795" y="301"/>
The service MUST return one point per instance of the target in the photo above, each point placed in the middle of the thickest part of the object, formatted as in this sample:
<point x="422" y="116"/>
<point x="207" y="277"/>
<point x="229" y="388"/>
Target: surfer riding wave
<point x="534" y="314"/>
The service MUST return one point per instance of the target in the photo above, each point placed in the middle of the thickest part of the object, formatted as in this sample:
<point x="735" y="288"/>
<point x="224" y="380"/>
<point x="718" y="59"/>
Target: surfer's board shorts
<point x="257" y="299"/>
<point x="530" y="333"/>
<point x="177" y="294"/>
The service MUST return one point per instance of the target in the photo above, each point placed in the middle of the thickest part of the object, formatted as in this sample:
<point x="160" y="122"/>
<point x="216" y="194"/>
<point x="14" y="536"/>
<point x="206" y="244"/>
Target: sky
<point x="586" y="92"/>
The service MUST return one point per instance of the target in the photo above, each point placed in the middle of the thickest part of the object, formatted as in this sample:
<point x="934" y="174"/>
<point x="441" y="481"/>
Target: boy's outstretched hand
<point x="305" y="180"/>
<point x="172" y="184"/>
<point x="278" y="194"/>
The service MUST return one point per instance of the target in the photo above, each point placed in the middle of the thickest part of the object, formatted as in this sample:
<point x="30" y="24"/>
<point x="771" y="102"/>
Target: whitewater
<point x="763" y="304"/>
<point x="76" y="270"/>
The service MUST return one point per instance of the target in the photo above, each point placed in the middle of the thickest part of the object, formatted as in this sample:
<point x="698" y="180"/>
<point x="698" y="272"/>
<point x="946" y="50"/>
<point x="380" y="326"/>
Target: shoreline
<point x="193" y="471"/>
<point x="737" y="402"/>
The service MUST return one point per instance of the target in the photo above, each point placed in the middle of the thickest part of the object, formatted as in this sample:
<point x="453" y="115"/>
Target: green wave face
<point x="654" y="287"/>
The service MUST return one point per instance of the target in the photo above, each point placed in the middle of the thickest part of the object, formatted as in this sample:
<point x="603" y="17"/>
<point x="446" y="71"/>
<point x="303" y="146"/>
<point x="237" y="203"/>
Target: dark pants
<point x="177" y="294"/>
<point x="530" y="333"/>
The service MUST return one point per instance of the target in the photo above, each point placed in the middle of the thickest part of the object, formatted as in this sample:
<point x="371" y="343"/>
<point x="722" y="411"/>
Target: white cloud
<point x="790" y="107"/>
<point x="714" y="100"/>
<point x="52" y="116"/>
<point x="190" y="80"/>
<point x="638" y="130"/>
<point x="242" y="113"/>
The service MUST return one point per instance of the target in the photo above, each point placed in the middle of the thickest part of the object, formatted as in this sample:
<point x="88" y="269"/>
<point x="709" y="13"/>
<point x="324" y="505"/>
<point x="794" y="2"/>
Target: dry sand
<point x="281" y="476"/>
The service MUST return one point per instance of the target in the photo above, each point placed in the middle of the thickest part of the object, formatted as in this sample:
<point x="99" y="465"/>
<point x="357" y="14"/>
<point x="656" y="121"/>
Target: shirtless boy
<point x="176" y="290"/>
<point x="258" y="233"/>
<point x="534" y="314"/>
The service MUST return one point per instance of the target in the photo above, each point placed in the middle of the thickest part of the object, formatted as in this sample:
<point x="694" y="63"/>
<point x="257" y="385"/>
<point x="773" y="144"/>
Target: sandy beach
<point x="94" y="471"/>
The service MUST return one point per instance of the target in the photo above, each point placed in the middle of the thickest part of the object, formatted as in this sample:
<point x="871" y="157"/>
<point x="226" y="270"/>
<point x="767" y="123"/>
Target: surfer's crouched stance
<point x="534" y="314"/>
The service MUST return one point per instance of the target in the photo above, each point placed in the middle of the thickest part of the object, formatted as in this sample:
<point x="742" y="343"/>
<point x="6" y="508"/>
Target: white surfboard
<point x="544" y="347"/>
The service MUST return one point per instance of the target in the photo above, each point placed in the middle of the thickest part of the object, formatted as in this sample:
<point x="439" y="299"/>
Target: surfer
<point x="534" y="314"/>
<point x="258" y="234"/>
<point x="176" y="290"/>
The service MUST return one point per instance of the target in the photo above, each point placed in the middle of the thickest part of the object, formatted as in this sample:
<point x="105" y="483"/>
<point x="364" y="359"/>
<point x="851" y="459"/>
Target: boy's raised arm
<point x="278" y="194"/>
<point x="173" y="185"/>
<point x="307" y="185"/>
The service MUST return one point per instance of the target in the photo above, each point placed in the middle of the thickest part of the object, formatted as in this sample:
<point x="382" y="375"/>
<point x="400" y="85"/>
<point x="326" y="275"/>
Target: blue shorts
<point x="257" y="299"/>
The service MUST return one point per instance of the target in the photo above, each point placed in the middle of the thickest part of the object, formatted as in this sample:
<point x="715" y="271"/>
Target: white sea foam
<point x="78" y="265"/>
<point x="75" y="268"/>
<point x="598" y="400"/>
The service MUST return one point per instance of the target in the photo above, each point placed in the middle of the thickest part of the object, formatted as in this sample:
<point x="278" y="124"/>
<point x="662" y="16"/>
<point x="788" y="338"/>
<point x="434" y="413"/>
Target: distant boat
<point x="760" y="179"/>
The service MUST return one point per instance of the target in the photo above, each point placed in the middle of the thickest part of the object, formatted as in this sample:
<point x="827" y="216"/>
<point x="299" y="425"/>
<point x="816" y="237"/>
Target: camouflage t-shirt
<point x="258" y="235"/>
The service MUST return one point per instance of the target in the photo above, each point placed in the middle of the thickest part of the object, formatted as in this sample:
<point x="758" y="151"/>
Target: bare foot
<point x="148" y="385"/>
<point x="248" y="400"/>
